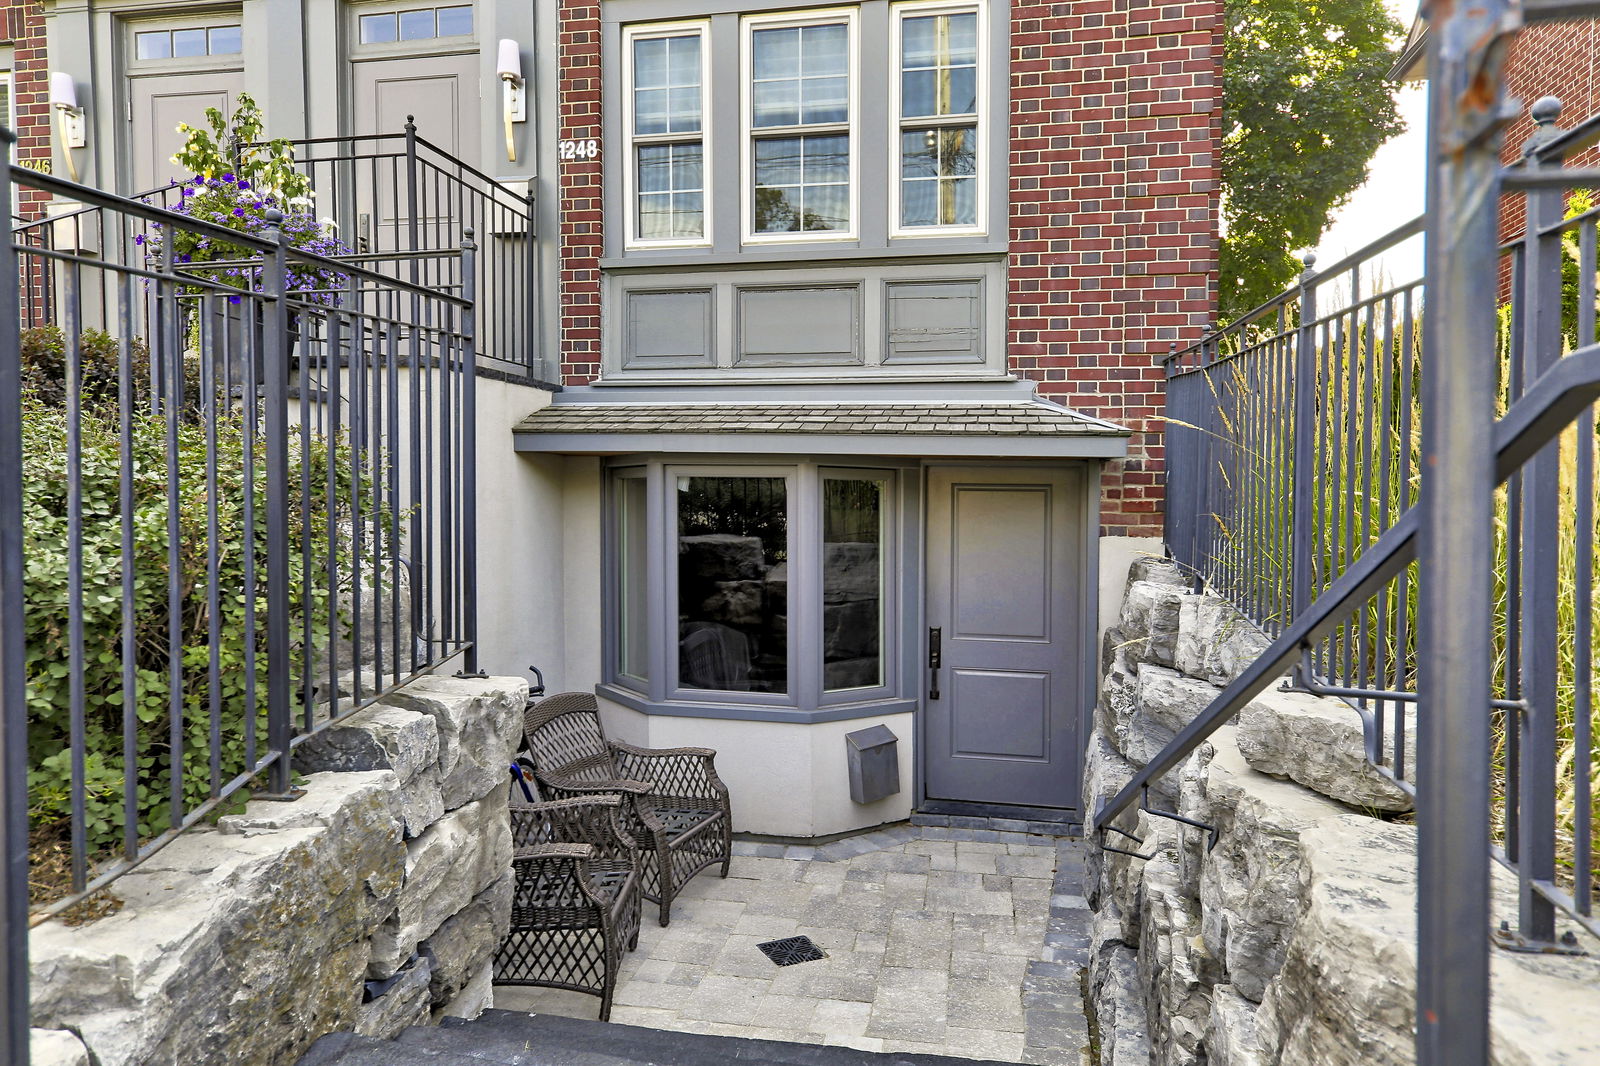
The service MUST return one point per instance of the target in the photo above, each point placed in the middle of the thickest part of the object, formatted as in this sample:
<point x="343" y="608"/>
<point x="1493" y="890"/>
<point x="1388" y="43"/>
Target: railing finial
<point x="1544" y="112"/>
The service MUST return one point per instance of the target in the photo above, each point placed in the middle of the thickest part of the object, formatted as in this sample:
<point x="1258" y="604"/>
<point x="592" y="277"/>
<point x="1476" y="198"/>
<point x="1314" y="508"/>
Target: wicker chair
<point x="680" y="811"/>
<point x="576" y="900"/>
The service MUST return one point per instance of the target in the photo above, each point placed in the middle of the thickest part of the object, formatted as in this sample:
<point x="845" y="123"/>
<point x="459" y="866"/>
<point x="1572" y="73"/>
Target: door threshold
<point x="1053" y="821"/>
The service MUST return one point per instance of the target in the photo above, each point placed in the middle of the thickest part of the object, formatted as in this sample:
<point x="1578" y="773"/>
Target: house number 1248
<point x="588" y="149"/>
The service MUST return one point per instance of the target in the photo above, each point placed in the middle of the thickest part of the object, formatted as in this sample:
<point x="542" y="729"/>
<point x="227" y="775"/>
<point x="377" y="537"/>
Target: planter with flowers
<point x="237" y="182"/>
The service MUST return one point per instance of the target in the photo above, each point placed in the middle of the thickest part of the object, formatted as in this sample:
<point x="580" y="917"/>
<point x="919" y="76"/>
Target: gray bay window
<point x="756" y="591"/>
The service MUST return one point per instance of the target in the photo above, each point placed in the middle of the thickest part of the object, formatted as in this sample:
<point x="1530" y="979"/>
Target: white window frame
<point x="897" y="121"/>
<point x="427" y="46"/>
<point x="630" y="178"/>
<point x="222" y="61"/>
<point x="822" y="17"/>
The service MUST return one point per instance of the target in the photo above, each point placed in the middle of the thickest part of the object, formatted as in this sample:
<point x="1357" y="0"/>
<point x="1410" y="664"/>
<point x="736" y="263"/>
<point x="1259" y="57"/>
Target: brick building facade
<point x="23" y="25"/>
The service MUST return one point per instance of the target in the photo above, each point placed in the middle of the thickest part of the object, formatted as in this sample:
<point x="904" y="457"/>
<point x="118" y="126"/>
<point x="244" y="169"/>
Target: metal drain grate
<point x="792" y="949"/>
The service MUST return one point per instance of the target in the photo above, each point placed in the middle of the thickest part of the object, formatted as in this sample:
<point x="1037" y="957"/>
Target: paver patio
<point x="938" y="942"/>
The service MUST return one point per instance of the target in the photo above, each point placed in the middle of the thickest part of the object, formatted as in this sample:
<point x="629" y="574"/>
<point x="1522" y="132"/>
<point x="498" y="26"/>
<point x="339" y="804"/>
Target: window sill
<point x="962" y="251"/>
<point x="753" y="713"/>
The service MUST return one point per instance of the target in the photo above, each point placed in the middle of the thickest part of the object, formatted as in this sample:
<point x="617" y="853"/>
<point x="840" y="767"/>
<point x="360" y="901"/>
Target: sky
<point x="1394" y="191"/>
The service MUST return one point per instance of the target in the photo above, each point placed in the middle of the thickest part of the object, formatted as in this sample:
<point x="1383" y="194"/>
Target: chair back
<point x="564" y="737"/>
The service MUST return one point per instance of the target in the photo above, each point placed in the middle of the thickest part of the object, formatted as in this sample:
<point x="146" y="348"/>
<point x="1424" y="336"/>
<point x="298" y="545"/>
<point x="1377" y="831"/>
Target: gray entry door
<point x="441" y="91"/>
<point x="1005" y="587"/>
<point x="159" y="103"/>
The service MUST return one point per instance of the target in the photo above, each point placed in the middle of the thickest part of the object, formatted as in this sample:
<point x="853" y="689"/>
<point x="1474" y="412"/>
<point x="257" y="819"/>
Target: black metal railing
<point x="393" y="195"/>
<point x="237" y="504"/>
<point x="1397" y="483"/>
<point x="397" y="201"/>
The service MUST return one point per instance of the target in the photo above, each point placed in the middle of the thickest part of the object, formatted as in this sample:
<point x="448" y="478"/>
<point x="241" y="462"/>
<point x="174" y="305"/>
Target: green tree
<point x="1307" y="98"/>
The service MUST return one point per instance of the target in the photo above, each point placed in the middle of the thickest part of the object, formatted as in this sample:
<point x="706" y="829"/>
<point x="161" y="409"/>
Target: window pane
<point x="153" y="45"/>
<point x="685" y="110"/>
<point x="963" y="31"/>
<point x="826" y="100"/>
<point x="188" y="43"/>
<point x="655" y="216"/>
<point x="825" y="49"/>
<point x="683" y="60"/>
<point x="827" y="159"/>
<point x="455" y="21"/>
<point x="416" y="25"/>
<point x="5" y="98"/>
<point x="802" y="184"/>
<point x="632" y="627"/>
<point x="852" y="583"/>
<point x="650" y="111"/>
<point x="226" y="41"/>
<point x="733" y="596"/>
<point x="939" y="65"/>
<point x="377" y="29"/>
<point x="827" y="207"/>
<point x="776" y="103"/>
<point x="688" y="214"/>
<point x="670" y="193"/>
<point x="649" y="62"/>
<point x="778" y="209"/>
<point x="775" y="53"/>
<point x="778" y="161"/>
<point x="655" y="168"/>
<point x="937" y="182"/>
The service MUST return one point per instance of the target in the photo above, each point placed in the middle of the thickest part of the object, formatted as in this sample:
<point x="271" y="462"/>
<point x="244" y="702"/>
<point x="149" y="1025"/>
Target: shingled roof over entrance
<point x="881" y="428"/>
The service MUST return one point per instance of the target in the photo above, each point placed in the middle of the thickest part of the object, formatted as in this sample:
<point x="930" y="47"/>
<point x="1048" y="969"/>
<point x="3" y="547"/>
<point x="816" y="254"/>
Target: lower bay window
<point x="763" y="591"/>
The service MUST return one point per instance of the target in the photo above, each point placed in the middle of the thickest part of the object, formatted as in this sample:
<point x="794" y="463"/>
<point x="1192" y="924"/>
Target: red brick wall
<point x="1560" y="59"/>
<point x="30" y="99"/>
<point x="582" y="234"/>
<point x="1114" y="127"/>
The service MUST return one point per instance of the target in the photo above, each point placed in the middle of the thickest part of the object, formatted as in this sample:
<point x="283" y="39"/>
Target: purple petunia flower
<point x="238" y="212"/>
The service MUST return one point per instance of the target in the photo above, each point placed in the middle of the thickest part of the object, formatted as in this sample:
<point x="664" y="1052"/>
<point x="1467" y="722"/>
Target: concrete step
<point x="509" y="1038"/>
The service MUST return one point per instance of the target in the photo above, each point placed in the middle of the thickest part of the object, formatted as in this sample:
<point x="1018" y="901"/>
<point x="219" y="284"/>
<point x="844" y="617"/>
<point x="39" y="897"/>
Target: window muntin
<point x="188" y="42"/>
<point x="5" y="98"/>
<point x="939" y="94"/>
<point x="666" y="76"/>
<point x="632" y="577"/>
<point x="800" y="149"/>
<point x="415" y="24"/>
<point x="853" y="560"/>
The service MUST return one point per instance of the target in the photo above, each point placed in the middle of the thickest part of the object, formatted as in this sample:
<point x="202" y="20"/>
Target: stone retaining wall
<point x="372" y="903"/>
<point x="1292" y="941"/>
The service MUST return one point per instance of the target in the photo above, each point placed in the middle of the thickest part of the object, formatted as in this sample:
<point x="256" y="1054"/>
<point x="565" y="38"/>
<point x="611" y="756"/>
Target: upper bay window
<point x="665" y="108"/>
<point x="800" y="160"/>
<point x="865" y="123"/>
<point x="938" y="92"/>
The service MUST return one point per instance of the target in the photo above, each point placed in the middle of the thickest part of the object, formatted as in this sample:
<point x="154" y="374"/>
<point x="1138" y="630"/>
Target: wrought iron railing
<point x="237" y="504"/>
<point x="1397" y="483"/>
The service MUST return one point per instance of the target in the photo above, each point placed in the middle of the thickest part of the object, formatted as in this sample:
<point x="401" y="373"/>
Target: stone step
<point x="509" y="1038"/>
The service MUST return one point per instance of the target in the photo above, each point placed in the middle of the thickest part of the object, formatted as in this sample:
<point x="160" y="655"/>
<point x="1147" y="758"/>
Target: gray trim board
<point x="1082" y="446"/>
<point x="751" y="712"/>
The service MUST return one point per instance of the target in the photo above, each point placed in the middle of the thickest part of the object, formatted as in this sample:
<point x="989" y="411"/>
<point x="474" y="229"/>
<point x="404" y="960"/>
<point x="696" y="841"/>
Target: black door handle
<point x="935" y="656"/>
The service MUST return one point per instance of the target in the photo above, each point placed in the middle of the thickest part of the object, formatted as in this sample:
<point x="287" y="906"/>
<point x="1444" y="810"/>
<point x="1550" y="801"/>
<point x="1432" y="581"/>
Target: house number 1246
<point x="588" y="149"/>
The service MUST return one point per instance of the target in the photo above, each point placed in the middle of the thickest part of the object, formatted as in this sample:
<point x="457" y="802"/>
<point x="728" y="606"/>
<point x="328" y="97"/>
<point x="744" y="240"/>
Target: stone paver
<point x="939" y="941"/>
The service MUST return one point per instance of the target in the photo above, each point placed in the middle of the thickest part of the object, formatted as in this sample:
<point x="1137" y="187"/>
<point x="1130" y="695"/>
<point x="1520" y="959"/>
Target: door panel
<point x="1005" y="550"/>
<point x="441" y="91"/>
<point x="159" y="103"/>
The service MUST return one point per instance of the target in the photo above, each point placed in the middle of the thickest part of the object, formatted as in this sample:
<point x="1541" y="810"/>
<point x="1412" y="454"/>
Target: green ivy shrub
<point x="45" y="519"/>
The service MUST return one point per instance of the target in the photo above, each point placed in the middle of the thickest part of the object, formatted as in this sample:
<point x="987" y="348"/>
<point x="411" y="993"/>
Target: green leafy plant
<point x="217" y="676"/>
<point x="233" y="145"/>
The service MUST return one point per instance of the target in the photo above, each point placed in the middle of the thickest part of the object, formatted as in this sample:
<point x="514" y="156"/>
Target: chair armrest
<point x="688" y="772"/>
<point x="556" y="850"/>
<point x="552" y="875"/>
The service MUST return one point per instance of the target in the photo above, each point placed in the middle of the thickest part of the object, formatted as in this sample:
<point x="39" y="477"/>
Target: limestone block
<point x="1111" y="877"/>
<point x="1249" y="884"/>
<point x="480" y="726"/>
<point x="445" y="868"/>
<point x="466" y="942"/>
<point x="473" y="999"/>
<point x="1158" y="571"/>
<point x="1174" y="968"/>
<point x="1346" y="992"/>
<point x="1231" y="1039"/>
<point x="1214" y="641"/>
<point x="1317" y="741"/>
<point x="1164" y="702"/>
<point x="1150" y="616"/>
<point x="232" y="948"/>
<point x="403" y="1004"/>
<point x="56" y="1047"/>
<point x="1119" y="677"/>
<point x="1120" y="1012"/>
<point x="378" y="738"/>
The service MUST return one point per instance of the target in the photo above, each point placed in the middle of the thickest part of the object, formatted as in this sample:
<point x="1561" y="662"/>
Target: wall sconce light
<point x="515" y="102"/>
<point x="69" y="116"/>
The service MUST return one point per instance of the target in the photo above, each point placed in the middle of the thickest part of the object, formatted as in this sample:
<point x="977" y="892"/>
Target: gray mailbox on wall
<point x="874" y="757"/>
